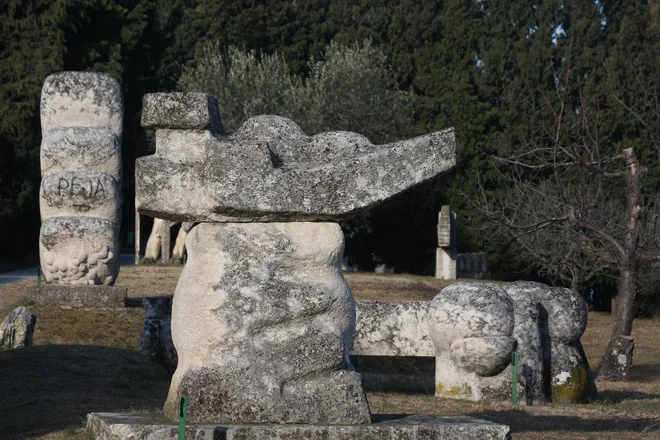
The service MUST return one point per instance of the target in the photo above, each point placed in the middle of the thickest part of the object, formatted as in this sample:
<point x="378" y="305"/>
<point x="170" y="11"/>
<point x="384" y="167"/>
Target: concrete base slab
<point x="145" y="426"/>
<point x="82" y="296"/>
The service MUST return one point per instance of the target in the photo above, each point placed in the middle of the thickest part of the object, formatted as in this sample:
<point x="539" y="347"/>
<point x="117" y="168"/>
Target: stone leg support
<point x="165" y="242"/>
<point x="262" y="322"/>
<point x="137" y="237"/>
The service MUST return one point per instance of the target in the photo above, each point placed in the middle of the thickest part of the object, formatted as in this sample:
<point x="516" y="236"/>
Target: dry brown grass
<point x="85" y="360"/>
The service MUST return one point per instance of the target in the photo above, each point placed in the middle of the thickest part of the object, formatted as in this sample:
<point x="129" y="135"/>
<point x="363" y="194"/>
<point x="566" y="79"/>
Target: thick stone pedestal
<point x="80" y="296"/>
<point x="262" y="322"/>
<point x="116" y="426"/>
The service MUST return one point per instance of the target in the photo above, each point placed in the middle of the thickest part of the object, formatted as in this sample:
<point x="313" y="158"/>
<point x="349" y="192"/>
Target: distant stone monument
<point x="445" y="256"/>
<point x="262" y="318"/>
<point x="80" y="196"/>
<point x="476" y="326"/>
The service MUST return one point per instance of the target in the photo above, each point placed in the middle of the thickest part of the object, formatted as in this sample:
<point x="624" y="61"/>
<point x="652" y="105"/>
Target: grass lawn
<point x="86" y="360"/>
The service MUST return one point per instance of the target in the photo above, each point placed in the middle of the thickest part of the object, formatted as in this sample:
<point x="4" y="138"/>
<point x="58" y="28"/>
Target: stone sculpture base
<point x="80" y="296"/>
<point x="262" y="322"/>
<point x="118" y="426"/>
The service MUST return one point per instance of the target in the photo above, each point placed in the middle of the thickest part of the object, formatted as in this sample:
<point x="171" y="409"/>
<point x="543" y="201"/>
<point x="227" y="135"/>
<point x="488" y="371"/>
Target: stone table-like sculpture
<point x="80" y="196"/>
<point x="262" y="318"/>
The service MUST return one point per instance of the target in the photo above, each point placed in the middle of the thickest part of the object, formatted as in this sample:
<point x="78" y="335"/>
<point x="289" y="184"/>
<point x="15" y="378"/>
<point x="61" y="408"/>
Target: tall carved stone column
<point x="80" y="195"/>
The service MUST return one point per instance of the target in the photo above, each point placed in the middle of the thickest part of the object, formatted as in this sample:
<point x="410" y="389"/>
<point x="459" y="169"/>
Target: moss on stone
<point x="579" y="388"/>
<point x="454" y="391"/>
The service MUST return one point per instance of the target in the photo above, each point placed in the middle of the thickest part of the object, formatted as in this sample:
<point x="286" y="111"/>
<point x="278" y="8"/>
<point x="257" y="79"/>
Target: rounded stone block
<point x="81" y="99"/>
<point x="484" y="356"/>
<point x="80" y="193"/>
<point x="262" y="322"/>
<point x="565" y="311"/>
<point x="469" y="310"/>
<point x="571" y="380"/>
<point x="81" y="148"/>
<point x="79" y="250"/>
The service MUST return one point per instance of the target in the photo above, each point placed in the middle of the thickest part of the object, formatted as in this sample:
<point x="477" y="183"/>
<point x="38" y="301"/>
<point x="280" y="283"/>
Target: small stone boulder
<point x="155" y="341"/>
<point x="17" y="329"/>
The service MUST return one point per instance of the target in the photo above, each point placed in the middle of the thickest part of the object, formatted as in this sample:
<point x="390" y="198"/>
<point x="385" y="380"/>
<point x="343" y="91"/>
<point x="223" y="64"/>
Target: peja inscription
<point x="81" y="190"/>
<point x="77" y="186"/>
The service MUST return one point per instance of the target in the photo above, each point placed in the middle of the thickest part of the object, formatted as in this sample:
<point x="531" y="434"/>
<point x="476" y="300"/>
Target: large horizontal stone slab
<point x="81" y="99"/>
<point x="81" y="148"/>
<point x="392" y="328"/>
<point x="269" y="170"/>
<point x="118" y="426"/>
<point x="80" y="193"/>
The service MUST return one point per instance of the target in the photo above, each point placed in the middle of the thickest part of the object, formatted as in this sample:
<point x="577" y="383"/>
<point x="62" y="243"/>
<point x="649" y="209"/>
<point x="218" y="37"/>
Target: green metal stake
<point x="183" y="413"/>
<point x="38" y="276"/>
<point x="514" y="379"/>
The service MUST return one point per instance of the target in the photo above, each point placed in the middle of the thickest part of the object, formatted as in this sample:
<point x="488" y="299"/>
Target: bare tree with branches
<point x="576" y="206"/>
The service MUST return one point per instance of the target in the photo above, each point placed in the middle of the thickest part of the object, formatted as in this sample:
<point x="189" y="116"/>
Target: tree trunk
<point x="617" y="360"/>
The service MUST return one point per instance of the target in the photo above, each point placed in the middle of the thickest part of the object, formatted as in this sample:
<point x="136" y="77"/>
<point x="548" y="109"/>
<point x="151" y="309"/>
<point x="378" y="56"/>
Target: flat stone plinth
<point x="80" y="296"/>
<point x="145" y="426"/>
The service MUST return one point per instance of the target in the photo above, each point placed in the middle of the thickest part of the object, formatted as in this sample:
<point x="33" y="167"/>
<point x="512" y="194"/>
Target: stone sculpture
<point x="566" y="375"/>
<point x="158" y="244"/>
<point x="475" y="327"/>
<point x="80" y="196"/>
<point x="262" y="310"/>
<point x="445" y="255"/>
<point x="262" y="318"/>
<point x="17" y="329"/>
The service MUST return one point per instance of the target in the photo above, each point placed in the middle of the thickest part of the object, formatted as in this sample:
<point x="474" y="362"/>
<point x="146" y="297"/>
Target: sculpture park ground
<point x="86" y="361"/>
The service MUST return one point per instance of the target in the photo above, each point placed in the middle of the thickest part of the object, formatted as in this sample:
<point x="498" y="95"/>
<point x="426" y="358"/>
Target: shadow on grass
<point x="522" y="421"/>
<point x="646" y="372"/>
<point x="616" y="396"/>
<point x="53" y="387"/>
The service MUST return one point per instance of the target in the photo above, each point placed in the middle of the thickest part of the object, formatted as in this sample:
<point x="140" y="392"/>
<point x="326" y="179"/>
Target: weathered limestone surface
<point x="270" y="171"/>
<point x="392" y="328"/>
<point x="113" y="426"/>
<point x="90" y="148"/>
<point x="80" y="195"/>
<point x="471" y="325"/>
<point x="562" y="321"/>
<point x="268" y="338"/>
<point x="79" y="250"/>
<point x="476" y="326"/>
<point x="82" y="296"/>
<point x="17" y="329"/>
<point x="527" y="331"/>
<point x="81" y="99"/>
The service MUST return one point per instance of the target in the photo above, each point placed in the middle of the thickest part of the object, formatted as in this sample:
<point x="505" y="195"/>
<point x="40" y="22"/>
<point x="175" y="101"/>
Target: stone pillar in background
<point x="445" y="256"/>
<point x="262" y="318"/>
<point x="165" y="237"/>
<point x="80" y="196"/>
